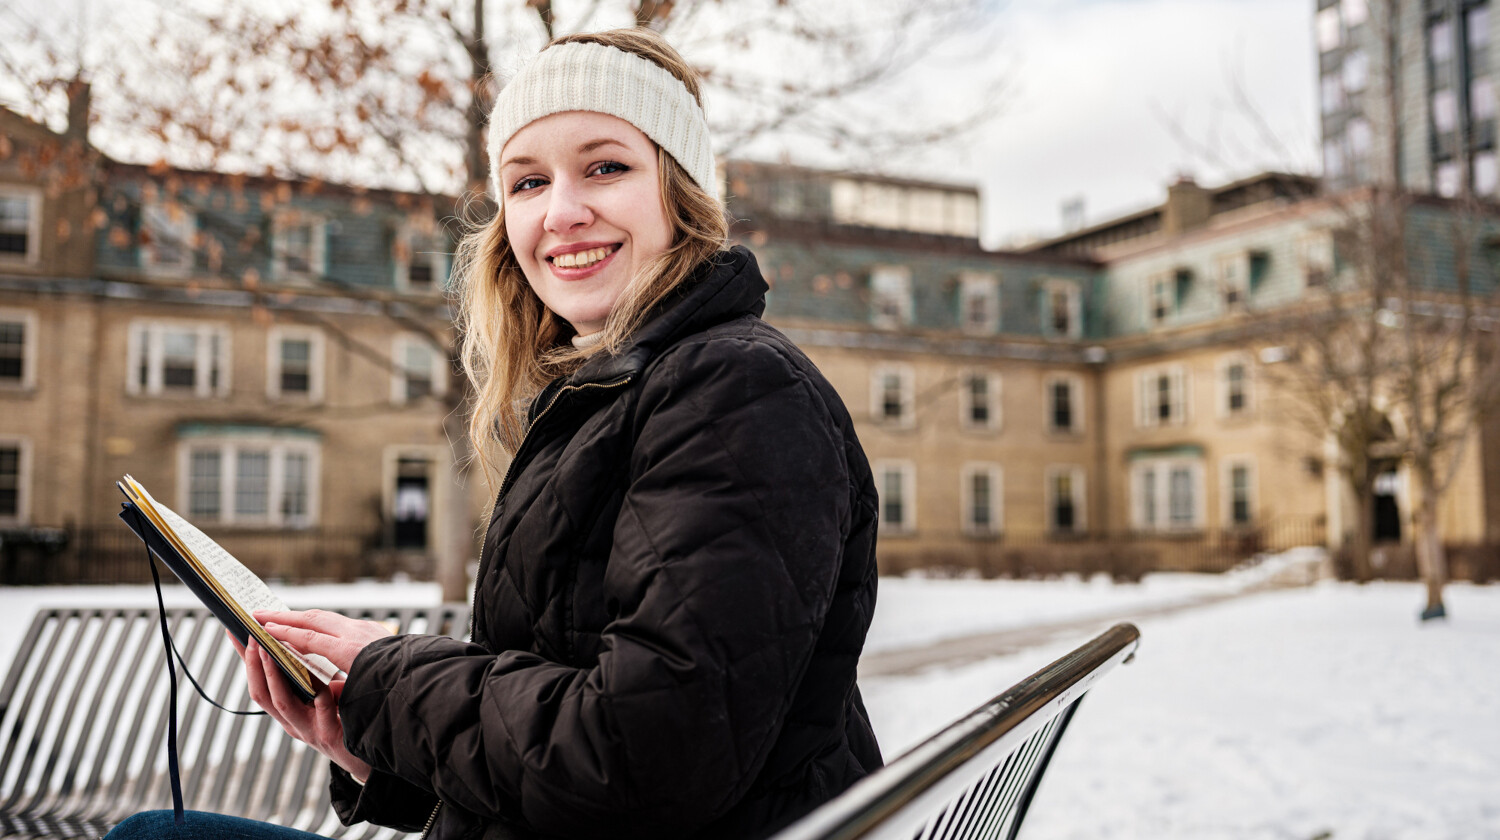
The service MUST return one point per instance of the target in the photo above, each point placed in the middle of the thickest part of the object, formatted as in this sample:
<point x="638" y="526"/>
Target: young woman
<point x="679" y="569"/>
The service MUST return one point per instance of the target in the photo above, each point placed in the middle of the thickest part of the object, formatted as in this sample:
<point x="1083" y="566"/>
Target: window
<point x="1234" y="385"/>
<point x="890" y="297"/>
<point x="1486" y="174"/>
<point x="1317" y="258"/>
<point x="1440" y="42"/>
<point x="893" y="395"/>
<point x="1063" y="316"/>
<point x="1444" y="111"/>
<point x="294" y="364"/>
<point x="1445" y="179"/>
<point x="1239" y="492"/>
<point x="1333" y="158"/>
<point x="298" y="246"/>
<point x="20" y="224"/>
<point x="1167" y="494"/>
<point x="1356" y="71"/>
<point x="980" y="400"/>
<point x="17" y="349"/>
<point x="1162" y="396"/>
<point x="168" y="237"/>
<point x="15" y="480"/>
<point x="1332" y="88"/>
<point x="1329" y="29"/>
<point x="1064" y="404"/>
<point x="979" y="303"/>
<point x="1477" y="28"/>
<point x="178" y="358"/>
<point x="418" y="370"/>
<point x="897" y="491"/>
<point x="1162" y="300"/>
<point x="1355" y="12"/>
<point x="1234" y="279"/>
<point x="420" y="256"/>
<point x="1065" y="501"/>
<point x="258" y="478"/>
<point x="981" y="493"/>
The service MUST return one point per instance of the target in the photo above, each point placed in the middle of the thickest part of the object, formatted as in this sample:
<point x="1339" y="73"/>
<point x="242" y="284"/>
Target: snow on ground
<point x="1319" y="712"/>
<point x="1296" y="713"/>
<point x="915" y="611"/>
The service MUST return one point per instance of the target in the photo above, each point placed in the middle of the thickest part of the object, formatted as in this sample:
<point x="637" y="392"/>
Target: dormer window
<point x="890" y="297"/>
<point x="420" y="256"/>
<point x="20" y="224"/>
<point x="298" y="246"/>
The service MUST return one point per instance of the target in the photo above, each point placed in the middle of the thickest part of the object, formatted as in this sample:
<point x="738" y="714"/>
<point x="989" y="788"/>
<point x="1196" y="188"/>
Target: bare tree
<point x="396" y="93"/>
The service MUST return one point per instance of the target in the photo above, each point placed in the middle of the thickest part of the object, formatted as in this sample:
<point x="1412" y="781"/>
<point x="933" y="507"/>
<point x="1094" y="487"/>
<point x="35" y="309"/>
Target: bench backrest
<point x="83" y="718"/>
<point x="975" y="779"/>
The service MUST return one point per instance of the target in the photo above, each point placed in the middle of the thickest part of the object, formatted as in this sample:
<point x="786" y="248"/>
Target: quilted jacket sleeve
<point x="723" y="564"/>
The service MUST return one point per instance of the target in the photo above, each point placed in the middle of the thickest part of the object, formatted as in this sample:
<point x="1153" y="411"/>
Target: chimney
<point x="78" y="111"/>
<point x="1188" y="206"/>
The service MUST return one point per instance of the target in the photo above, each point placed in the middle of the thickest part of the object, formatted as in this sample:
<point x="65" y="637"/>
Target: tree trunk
<point x="1432" y="562"/>
<point x="1359" y="543"/>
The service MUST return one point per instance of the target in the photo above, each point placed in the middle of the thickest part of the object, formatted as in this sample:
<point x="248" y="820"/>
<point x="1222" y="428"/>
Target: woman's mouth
<point x="583" y="260"/>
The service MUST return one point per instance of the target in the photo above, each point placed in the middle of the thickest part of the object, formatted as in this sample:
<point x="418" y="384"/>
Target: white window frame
<point x="23" y="481"/>
<point x="438" y="373"/>
<point x="316" y="358"/>
<point x="1074" y="297"/>
<point x="155" y="356"/>
<point x="33" y="196"/>
<point x="1179" y="393"/>
<point x="1248" y="383"/>
<point x="1075" y="396"/>
<point x="184" y="227"/>
<point x="996" y="475"/>
<point x="1162" y="469"/>
<point x="908" y="377"/>
<point x="406" y="255"/>
<point x="28" y="321"/>
<point x="290" y="219"/>
<point x="980" y="285"/>
<point x="908" y="471"/>
<point x="229" y="448"/>
<point x="1226" y="491"/>
<point x="891" y="282"/>
<point x="1080" y="497"/>
<point x="966" y="400"/>
<point x="1232" y="274"/>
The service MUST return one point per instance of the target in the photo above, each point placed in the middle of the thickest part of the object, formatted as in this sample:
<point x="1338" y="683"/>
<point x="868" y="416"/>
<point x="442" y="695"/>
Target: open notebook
<point x="229" y="590"/>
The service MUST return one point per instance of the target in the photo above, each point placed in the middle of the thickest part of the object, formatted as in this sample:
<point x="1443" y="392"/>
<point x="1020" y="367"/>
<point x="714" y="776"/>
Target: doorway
<point x="412" y="503"/>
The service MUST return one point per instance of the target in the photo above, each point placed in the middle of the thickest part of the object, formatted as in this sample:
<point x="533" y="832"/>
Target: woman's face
<point x="583" y="211"/>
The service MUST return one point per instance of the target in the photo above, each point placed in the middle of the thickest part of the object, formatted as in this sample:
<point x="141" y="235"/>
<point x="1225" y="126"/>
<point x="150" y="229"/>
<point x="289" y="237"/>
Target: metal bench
<point x="83" y="717"/>
<point x="975" y="779"/>
<point x="83" y="714"/>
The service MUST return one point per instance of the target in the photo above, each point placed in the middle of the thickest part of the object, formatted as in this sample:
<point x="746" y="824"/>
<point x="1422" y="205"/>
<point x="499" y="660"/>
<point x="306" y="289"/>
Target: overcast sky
<point x="1099" y="84"/>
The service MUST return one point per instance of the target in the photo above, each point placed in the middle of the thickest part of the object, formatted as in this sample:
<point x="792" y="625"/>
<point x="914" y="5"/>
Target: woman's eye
<point x="610" y="168"/>
<point x="526" y="184"/>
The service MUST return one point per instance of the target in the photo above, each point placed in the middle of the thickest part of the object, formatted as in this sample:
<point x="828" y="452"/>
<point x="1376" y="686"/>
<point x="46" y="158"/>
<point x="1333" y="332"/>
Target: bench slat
<point x="83" y="721"/>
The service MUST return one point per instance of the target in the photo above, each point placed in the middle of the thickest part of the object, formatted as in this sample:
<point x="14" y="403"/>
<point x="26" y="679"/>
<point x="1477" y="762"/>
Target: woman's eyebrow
<point x="603" y="141"/>
<point x="518" y="161"/>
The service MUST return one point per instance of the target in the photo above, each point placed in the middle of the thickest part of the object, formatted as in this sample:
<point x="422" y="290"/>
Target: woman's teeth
<point x="581" y="259"/>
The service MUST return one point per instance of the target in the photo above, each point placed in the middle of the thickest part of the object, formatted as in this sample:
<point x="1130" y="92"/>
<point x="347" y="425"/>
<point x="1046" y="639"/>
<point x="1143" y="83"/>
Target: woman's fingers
<point x="336" y="637"/>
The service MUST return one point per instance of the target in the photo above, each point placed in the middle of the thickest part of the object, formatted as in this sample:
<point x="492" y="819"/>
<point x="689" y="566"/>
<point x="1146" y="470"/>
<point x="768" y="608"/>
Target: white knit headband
<point x="593" y="77"/>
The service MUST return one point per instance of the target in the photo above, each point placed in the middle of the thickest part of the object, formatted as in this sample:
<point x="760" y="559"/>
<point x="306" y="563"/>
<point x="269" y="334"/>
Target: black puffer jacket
<point x="673" y="595"/>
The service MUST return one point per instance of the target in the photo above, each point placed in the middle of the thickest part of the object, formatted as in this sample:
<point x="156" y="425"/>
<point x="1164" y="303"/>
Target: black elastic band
<point x="171" y="649"/>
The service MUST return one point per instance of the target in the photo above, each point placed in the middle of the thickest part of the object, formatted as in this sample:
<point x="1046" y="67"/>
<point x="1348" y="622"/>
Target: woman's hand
<point x="334" y="636"/>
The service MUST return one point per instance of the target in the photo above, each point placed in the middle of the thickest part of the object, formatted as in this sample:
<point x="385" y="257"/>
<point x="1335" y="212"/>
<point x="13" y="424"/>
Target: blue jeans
<point x="158" y="825"/>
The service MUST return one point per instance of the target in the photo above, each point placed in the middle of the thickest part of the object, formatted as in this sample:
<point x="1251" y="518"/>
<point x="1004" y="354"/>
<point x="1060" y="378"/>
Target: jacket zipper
<point x="431" y="818"/>
<point x="505" y="482"/>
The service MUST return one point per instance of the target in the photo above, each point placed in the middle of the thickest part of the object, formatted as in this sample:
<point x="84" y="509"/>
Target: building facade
<point x="268" y="357"/>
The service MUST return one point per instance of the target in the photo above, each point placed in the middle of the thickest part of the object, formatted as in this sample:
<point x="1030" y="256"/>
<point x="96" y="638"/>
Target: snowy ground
<point x="1301" y="713"/>
<point x="1311" y="713"/>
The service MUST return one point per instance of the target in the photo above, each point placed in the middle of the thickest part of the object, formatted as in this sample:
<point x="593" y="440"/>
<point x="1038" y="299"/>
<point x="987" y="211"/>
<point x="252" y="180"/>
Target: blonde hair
<point x="512" y="345"/>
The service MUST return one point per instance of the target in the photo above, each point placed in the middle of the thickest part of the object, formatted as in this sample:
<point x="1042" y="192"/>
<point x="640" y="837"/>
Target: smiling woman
<point x="678" y="573"/>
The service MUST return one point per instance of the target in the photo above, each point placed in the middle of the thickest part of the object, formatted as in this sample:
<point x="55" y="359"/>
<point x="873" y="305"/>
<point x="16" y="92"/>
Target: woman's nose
<point x="567" y="207"/>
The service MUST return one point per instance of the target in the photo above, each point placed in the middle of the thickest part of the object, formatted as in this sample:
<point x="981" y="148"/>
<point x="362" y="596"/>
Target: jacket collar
<point x="726" y="286"/>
